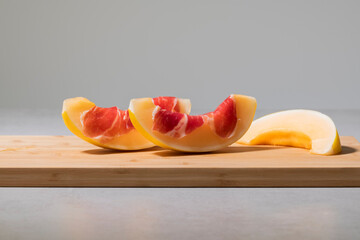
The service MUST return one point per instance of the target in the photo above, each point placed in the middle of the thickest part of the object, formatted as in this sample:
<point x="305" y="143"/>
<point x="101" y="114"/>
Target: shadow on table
<point x="347" y="150"/>
<point x="169" y="153"/>
<point x="232" y="149"/>
<point x="104" y="151"/>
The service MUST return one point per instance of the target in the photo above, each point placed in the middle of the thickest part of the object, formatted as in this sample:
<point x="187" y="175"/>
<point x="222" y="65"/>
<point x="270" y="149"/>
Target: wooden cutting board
<point x="69" y="161"/>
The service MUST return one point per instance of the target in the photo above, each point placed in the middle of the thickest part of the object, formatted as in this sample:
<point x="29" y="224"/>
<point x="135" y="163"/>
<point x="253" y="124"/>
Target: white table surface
<point x="174" y="213"/>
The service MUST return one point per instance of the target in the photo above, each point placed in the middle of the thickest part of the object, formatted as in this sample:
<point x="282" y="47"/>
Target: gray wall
<point x="288" y="54"/>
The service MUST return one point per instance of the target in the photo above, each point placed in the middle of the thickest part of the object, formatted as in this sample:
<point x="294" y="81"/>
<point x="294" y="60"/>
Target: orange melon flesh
<point x="297" y="128"/>
<point x="73" y="108"/>
<point x="203" y="138"/>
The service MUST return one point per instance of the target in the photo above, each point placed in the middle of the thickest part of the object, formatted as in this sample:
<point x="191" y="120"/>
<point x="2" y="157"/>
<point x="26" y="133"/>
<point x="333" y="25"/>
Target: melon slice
<point x="111" y="127"/>
<point x="201" y="133"/>
<point x="297" y="128"/>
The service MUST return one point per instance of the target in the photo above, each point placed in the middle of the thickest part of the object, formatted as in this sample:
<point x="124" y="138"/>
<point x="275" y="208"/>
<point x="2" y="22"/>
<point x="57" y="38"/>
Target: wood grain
<point x="69" y="161"/>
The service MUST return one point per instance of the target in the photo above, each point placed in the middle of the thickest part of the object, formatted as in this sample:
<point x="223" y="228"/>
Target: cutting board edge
<point x="257" y="177"/>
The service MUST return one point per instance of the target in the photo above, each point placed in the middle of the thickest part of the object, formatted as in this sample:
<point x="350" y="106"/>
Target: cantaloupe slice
<point x="111" y="127"/>
<point x="297" y="128"/>
<point x="201" y="133"/>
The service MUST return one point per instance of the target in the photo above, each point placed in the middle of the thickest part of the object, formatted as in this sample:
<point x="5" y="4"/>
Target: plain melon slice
<point x="297" y="128"/>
